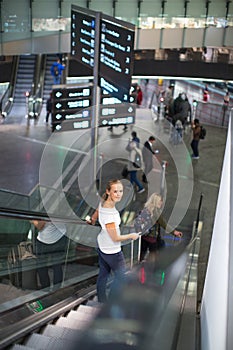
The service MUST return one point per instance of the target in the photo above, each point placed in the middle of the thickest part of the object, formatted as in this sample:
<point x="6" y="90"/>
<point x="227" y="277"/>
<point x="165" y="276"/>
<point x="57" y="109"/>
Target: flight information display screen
<point x="116" y="59"/>
<point x="83" y="37"/>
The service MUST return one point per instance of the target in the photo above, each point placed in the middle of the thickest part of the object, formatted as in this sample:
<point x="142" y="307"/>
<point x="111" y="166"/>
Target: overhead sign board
<point x="71" y="105"/>
<point x="115" y="50"/>
<point x="69" y="125"/>
<point x="83" y="37"/>
<point x="116" y="59"/>
<point x="72" y="92"/>
<point x="117" y="114"/>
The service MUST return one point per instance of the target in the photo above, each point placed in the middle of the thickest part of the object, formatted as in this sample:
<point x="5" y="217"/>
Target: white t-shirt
<point x="105" y="242"/>
<point x="51" y="233"/>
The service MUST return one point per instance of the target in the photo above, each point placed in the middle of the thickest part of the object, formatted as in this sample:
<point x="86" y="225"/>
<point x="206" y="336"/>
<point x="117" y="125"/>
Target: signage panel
<point x="70" y="115"/>
<point x="70" y="93"/>
<point x="69" y="125"/>
<point x="116" y="59"/>
<point x="83" y="37"/>
<point x="71" y="104"/>
<point x="117" y="114"/>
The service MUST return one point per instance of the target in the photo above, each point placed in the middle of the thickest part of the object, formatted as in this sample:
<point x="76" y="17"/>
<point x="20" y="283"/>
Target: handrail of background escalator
<point x="36" y="96"/>
<point x="29" y="215"/>
<point x="9" y="94"/>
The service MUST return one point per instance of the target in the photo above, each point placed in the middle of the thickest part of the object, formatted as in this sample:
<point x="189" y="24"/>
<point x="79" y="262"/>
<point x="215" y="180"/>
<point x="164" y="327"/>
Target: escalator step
<point x="41" y="342"/>
<point x="60" y="332"/>
<point x="88" y="309"/>
<point x="21" y="347"/>
<point x="71" y="323"/>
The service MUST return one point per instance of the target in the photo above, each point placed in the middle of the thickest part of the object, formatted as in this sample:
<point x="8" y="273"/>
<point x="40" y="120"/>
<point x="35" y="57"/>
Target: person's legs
<point x="104" y="272"/>
<point x="57" y="251"/>
<point x="117" y="263"/>
<point x="194" y="145"/>
<point x="108" y="262"/>
<point x="47" y="116"/>
<point x="42" y="260"/>
<point x="144" y="247"/>
<point x="134" y="179"/>
<point x="57" y="275"/>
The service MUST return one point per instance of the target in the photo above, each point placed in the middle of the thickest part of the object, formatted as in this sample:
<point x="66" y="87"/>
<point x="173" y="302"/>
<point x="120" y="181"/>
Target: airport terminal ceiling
<point x="42" y="15"/>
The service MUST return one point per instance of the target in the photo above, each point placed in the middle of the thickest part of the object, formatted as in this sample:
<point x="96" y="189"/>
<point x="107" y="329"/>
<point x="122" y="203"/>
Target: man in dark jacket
<point x="147" y="154"/>
<point x="48" y="108"/>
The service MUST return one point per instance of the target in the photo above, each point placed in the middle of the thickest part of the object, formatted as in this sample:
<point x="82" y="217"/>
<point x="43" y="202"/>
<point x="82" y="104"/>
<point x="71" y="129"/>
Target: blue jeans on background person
<point x="194" y="145"/>
<point x="57" y="80"/>
<point x="107" y="263"/>
<point x="134" y="179"/>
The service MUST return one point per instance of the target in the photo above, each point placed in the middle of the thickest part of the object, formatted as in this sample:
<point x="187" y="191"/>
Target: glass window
<point x="104" y="6"/>
<point x="15" y="17"/>
<point x="150" y="8"/>
<point x="66" y="6"/>
<point x="126" y="10"/>
<point x="47" y="17"/>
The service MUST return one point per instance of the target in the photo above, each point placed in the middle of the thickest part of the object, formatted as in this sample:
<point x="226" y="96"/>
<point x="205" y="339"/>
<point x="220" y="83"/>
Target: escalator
<point x="24" y="83"/>
<point x="48" y="81"/>
<point x="70" y="316"/>
<point x="44" y="86"/>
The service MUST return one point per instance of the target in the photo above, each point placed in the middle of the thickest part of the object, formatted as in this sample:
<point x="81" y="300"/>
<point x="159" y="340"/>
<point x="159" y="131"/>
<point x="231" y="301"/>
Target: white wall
<point x="215" y="295"/>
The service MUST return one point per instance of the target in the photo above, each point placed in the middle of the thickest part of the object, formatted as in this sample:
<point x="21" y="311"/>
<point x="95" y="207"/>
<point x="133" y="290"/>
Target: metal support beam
<point x="139" y="7"/>
<point x="114" y="7"/>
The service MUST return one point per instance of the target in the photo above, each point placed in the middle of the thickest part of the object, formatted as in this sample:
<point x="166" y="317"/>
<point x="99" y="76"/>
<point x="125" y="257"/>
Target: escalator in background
<point x="48" y="81"/>
<point x="24" y="83"/>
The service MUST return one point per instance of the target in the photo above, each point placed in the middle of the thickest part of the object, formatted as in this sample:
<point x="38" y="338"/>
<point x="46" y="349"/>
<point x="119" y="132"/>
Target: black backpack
<point x="202" y="133"/>
<point x="56" y="70"/>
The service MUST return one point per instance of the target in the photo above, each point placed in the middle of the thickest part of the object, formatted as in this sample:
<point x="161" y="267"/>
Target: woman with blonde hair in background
<point x="151" y="239"/>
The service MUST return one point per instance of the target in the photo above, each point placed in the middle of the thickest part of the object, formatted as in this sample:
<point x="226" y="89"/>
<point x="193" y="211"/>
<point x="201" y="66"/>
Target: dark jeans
<point x="47" y="116"/>
<point x="51" y="255"/>
<point x="194" y="145"/>
<point x="57" y="80"/>
<point x="134" y="179"/>
<point x="108" y="263"/>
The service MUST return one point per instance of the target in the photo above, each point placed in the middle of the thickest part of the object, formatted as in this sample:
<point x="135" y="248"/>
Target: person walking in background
<point x="139" y="96"/>
<point x="196" y="128"/>
<point x="51" y="245"/>
<point x="56" y="71"/>
<point x="226" y="99"/>
<point x="206" y="95"/>
<point x="135" y="138"/>
<point x="48" y="108"/>
<point x="111" y="258"/>
<point x="151" y="239"/>
<point x="147" y="154"/>
<point x="134" y="165"/>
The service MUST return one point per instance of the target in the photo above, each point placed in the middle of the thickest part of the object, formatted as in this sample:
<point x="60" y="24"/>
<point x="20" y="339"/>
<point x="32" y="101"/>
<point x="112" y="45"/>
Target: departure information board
<point x="83" y="37"/>
<point x="115" y="50"/>
<point x="116" y="59"/>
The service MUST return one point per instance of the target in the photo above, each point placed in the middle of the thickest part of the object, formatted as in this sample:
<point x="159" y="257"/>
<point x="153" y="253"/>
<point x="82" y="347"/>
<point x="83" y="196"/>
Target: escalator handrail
<point x="37" y="97"/>
<point x="11" y="89"/>
<point x="31" y="215"/>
